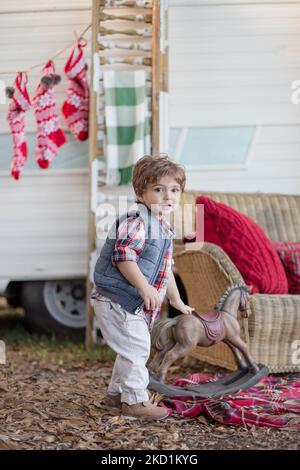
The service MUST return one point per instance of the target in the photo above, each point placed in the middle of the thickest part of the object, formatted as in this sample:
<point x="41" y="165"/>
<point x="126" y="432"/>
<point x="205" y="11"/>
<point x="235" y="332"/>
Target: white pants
<point x="129" y="337"/>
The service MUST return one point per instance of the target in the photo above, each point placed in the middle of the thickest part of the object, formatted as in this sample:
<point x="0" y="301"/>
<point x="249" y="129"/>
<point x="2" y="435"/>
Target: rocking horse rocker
<point x="176" y="337"/>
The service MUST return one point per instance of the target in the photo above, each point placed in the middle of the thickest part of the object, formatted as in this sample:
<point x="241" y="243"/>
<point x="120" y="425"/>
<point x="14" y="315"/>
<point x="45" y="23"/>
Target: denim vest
<point x="110" y="282"/>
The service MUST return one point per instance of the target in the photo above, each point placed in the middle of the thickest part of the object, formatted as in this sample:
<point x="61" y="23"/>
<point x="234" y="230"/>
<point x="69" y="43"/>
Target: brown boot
<point x="144" y="410"/>
<point x="113" y="401"/>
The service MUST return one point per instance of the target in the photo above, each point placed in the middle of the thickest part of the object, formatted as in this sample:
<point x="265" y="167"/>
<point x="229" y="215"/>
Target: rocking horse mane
<point x="227" y="292"/>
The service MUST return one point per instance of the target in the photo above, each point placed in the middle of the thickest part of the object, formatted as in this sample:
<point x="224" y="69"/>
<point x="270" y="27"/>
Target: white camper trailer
<point x="43" y="215"/>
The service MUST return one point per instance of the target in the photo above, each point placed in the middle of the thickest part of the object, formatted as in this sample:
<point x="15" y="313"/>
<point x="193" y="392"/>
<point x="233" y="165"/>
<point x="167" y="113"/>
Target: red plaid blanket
<point x="273" y="402"/>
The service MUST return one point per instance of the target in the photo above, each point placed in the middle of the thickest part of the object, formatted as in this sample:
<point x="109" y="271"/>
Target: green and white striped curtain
<point x="127" y="122"/>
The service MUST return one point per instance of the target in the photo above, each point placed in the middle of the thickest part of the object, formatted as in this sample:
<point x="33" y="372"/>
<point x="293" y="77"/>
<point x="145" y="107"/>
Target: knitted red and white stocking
<point x="49" y="134"/>
<point x="76" y="107"/>
<point x="16" y="118"/>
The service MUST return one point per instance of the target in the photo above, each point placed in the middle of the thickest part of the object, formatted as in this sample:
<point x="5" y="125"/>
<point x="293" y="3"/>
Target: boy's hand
<point x="151" y="297"/>
<point x="180" y="305"/>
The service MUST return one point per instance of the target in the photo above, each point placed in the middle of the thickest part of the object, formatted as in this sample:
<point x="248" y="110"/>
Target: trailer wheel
<point x="55" y="306"/>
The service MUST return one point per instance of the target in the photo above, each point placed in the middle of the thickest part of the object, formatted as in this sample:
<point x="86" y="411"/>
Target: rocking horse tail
<point x="162" y="333"/>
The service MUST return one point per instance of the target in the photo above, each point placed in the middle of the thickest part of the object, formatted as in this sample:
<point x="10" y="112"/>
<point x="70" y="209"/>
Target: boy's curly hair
<point x="148" y="170"/>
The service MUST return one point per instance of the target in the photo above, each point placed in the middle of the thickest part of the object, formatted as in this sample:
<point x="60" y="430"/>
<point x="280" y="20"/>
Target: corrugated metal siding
<point x="232" y="64"/>
<point x="44" y="215"/>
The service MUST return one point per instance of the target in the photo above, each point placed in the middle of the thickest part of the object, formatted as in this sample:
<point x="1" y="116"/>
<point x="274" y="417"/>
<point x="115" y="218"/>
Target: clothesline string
<point x="60" y="51"/>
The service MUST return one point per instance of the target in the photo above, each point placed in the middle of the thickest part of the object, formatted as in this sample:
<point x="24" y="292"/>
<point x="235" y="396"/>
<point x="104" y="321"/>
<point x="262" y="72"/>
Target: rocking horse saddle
<point x="213" y="325"/>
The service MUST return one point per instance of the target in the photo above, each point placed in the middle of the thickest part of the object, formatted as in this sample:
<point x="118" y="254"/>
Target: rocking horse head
<point x="241" y="290"/>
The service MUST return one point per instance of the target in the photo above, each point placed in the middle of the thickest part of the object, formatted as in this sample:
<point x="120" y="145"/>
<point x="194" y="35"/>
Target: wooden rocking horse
<point x="176" y="337"/>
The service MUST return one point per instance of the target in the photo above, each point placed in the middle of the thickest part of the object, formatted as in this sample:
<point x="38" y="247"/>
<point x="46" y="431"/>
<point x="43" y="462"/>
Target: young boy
<point x="132" y="276"/>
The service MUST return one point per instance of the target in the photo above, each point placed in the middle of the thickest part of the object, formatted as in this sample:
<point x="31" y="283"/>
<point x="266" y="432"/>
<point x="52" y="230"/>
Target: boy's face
<point x="162" y="197"/>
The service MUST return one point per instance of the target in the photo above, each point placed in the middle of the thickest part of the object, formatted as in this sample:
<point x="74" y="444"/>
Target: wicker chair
<point x="273" y="328"/>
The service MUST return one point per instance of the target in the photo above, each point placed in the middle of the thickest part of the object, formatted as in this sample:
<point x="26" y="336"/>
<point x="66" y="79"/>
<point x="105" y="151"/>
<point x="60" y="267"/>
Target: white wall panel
<point x="232" y="63"/>
<point x="44" y="222"/>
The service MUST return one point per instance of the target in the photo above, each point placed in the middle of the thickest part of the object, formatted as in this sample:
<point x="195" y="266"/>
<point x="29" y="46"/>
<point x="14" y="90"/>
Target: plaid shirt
<point x="129" y="244"/>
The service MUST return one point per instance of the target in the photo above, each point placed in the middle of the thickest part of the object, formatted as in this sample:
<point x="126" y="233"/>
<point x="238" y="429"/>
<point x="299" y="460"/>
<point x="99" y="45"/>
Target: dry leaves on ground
<point x="46" y="405"/>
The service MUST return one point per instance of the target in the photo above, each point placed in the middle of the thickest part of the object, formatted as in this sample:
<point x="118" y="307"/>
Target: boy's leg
<point x="128" y="336"/>
<point x="114" y="388"/>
